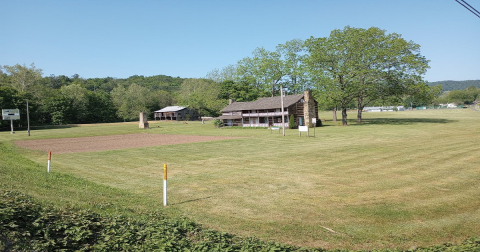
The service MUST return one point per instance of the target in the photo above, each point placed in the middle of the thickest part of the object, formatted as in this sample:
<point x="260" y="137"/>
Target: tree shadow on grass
<point x="400" y="121"/>
<point x="38" y="127"/>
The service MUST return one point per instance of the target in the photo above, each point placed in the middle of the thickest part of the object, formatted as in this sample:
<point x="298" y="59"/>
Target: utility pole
<point x="28" y="120"/>
<point x="283" y="116"/>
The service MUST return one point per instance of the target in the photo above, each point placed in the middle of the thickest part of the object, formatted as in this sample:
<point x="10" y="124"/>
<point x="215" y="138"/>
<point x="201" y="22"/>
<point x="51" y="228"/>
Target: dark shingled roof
<point x="264" y="103"/>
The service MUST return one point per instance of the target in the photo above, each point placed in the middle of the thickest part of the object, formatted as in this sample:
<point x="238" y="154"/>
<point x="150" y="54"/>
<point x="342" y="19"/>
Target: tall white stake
<point x="164" y="184"/>
<point x="49" y="160"/>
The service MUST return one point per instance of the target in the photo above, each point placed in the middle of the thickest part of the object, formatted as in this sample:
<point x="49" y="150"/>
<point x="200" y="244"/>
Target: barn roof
<point x="264" y="103"/>
<point x="171" y="109"/>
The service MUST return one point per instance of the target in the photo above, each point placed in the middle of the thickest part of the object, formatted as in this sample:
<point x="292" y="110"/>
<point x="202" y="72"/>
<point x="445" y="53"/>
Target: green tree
<point x="59" y="109"/>
<point x="461" y="97"/>
<point x="162" y="99"/>
<point x="265" y="70"/>
<point x="76" y="94"/>
<point x="291" y="122"/>
<point x="10" y="98"/>
<point x="201" y="95"/>
<point x="365" y="65"/>
<point x="23" y="78"/>
<point x="240" y="92"/>
<point x="100" y="107"/>
<point x="474" y="92"/>
<point x="228" y="73"/>
<point x="296" y="79"/>
<point x="130" y="101"/>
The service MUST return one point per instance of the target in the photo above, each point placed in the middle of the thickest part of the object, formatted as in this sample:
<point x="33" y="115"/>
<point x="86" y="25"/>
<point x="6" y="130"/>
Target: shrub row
<point x="28" y="226"/>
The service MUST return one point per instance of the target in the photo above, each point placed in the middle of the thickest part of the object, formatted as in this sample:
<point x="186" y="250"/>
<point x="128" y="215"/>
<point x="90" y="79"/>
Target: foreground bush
<point x="28" y="226"/>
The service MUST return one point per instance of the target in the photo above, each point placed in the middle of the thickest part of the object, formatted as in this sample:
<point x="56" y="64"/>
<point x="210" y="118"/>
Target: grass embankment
<point x="400" y="179"/>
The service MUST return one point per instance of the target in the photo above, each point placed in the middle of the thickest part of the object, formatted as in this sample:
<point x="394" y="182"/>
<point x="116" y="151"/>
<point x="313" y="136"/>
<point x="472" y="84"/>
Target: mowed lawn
<point x="400" y="179"/>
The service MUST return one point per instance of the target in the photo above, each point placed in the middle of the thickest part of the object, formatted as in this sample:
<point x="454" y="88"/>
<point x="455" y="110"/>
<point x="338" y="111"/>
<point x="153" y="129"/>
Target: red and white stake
<point x="164" y="184"/>
<point x="49" y="160"/>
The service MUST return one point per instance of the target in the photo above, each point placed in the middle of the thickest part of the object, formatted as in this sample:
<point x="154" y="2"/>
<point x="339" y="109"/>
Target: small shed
<point x="174" y="113"/>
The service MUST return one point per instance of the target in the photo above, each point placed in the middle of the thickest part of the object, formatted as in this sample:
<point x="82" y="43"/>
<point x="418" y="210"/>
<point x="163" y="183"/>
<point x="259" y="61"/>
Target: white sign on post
<point x="302" y="129"/>
<point x="10" y="114"/>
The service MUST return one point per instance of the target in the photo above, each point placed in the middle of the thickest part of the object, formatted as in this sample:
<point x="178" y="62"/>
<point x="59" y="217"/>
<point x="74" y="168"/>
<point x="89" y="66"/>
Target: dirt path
<point x="114" y="142"/>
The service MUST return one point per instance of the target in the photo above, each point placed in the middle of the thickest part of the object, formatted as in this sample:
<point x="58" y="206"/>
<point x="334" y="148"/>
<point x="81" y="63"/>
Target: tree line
<point x="450" y="85"/>
<point x="352" y="68"/>
<point x="469" y="96"/>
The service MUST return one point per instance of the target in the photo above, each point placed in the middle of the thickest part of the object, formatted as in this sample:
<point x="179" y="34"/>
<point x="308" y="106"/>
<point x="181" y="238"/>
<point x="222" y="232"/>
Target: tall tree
<point x="77" y="96"/>
<point x="239" y="92"/>
<point x="132" y="100"/>
<point x="366" y="65"/>
<point x="265" y="69"/>
<point x="228" y="73"/>
<point x="100" y="107"/>
<point x="293" y="53"/>
<point x="330" y="57"/>
<point x="201" y="95"/>
<point x="23" y="79"/>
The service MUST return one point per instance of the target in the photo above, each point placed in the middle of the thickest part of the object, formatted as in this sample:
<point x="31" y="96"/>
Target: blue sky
<point x="188" y="38"/>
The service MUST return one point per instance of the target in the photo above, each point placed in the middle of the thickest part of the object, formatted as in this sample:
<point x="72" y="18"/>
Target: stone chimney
<point x="143" y="123"/>
<point x="308" y="108"/>
<point x="230" y="101"/>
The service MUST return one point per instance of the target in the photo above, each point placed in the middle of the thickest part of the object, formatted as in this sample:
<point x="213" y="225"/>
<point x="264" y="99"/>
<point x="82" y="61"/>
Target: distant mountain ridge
<point x="450" y="85"/>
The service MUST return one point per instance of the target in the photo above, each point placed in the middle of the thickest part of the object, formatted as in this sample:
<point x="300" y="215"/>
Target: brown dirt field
<point x="113" y="142"/>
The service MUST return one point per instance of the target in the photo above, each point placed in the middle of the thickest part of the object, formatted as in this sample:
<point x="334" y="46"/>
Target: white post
<point x="49" y="160"/>
<point x="164" y="184"/>
<point x="11" y="126"/>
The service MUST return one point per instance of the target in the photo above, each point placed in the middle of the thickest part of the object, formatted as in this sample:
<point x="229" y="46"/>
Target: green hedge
<point x="28" y="226"/>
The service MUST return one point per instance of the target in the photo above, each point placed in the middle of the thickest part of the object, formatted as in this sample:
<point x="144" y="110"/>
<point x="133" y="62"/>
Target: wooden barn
<point x="267" y="111"/>
<point x="174" y="113"/>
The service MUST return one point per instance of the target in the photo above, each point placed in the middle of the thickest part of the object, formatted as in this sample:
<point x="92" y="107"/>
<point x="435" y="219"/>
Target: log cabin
<point x="267" y="111"/>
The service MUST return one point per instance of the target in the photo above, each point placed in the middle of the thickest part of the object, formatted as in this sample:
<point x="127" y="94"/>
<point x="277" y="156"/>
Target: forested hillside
<point x="450" y="85"/>
<point x="64" y="100"/>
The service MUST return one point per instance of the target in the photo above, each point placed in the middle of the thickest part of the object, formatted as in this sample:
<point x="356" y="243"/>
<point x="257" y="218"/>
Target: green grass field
<point x="400" y="179"/>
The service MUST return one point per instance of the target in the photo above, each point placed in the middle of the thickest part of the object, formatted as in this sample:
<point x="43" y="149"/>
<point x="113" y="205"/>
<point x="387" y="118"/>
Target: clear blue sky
<point x="189" y="38"/>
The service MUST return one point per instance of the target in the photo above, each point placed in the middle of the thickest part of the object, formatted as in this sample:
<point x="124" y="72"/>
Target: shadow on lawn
<point x="38" y="127"/>
<point x="187" y="201"/>
<point x="400" y="121"/>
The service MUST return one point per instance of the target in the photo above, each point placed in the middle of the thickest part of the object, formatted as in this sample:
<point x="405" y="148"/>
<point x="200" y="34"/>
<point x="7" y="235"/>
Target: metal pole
<point x="11" y="127"/>
<point x="28" y="120"/>
<point x="164" y="184"/>
<point x="283" y="116"/>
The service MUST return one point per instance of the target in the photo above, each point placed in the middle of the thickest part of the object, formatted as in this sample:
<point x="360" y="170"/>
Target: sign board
<point x="274" y="128"/>
<point x="314" y="121"/>
<point x="303" y="128"/>
<point x="10" y="114"/>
